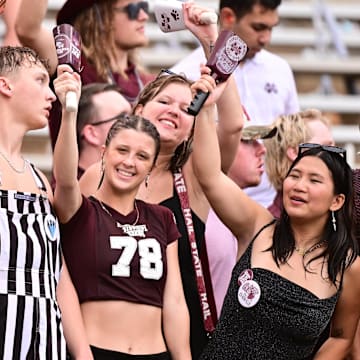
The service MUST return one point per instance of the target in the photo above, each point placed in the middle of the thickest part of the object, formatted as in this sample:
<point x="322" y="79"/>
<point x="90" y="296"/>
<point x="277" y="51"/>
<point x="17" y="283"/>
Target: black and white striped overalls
<point x="30" y="263"/>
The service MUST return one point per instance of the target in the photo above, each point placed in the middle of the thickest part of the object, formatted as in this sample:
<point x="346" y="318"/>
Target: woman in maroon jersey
<point x="122" y="253"/>
<point x="172" y="182"/>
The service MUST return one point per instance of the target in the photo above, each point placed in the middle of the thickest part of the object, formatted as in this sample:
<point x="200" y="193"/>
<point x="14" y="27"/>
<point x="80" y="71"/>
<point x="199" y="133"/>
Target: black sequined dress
<point x="284" y="325"/>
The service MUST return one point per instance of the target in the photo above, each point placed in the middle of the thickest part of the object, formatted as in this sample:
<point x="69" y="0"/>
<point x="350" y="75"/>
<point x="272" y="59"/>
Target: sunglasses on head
<point x="116" y="117"/>
<point x="165" y="72"/>
<point x="333" y="149"/>
<point x="133" y="9"/>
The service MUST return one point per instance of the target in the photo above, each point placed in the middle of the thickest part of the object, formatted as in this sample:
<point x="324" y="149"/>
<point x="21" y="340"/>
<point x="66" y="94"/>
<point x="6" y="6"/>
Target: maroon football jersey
<point x="110" y="261"/>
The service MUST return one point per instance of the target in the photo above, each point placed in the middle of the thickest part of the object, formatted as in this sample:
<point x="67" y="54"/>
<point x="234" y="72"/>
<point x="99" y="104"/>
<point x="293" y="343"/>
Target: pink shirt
<point x="222" y="251"/>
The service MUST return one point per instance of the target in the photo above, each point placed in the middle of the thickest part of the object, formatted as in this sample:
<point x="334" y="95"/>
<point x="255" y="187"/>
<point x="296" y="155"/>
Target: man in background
<point x="264" y="80"/>
<point x="99" y="106"/>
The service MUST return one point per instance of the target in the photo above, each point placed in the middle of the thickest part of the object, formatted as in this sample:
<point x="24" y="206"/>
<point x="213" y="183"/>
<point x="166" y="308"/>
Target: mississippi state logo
<point x="235" y="48"/>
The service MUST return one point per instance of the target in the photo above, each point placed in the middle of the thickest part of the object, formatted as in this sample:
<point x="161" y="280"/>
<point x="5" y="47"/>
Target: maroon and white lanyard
<point x="185" y="207"/>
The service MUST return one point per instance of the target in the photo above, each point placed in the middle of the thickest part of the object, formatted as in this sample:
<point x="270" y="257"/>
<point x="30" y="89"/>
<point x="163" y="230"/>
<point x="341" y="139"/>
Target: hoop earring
<point x="333" y="220"/>
<point x="147" y="180"/>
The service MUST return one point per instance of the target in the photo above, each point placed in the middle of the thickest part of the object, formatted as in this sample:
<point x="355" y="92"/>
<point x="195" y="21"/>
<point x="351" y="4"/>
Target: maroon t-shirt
<point x="108" y="262"/>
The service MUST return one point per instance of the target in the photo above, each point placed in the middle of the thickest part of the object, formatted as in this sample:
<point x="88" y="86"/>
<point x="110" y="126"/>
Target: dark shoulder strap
<point x="262" y="229"/>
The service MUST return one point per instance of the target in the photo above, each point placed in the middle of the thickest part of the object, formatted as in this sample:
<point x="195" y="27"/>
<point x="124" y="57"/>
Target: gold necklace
<point x="21" y="171"/>
<point x="117" y="223"/>
<point x="303" y="252"/>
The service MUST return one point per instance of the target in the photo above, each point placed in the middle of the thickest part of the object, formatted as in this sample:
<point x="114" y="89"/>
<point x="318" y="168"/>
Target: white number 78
<point x="151" y="264"/>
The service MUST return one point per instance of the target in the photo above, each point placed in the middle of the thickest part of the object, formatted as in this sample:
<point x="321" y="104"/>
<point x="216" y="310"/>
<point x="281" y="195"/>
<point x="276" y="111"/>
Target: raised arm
<point x="32" y="33"/>
<point x="230" y="123"/>
<point x="229" y="108"/>
<point x="239" y="212"/>
<point x="67" y="196"/>
<point x="206" y="34"/>
<point x="9" y="16"/>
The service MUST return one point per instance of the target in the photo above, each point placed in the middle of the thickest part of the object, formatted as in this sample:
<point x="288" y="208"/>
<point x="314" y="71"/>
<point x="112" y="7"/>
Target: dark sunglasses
<point x="116" y="117"/>
<point x="333" y="149"/>
<point x="132" y="10"/>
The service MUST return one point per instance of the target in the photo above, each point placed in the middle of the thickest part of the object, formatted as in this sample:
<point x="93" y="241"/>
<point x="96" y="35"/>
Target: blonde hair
<point x="95" y="25"/>
<point x="292" y="130"/>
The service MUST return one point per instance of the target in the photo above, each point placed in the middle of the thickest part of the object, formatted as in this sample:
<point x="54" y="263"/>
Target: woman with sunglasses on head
<point x="299" y="272"/>
<point x="121" y="252"/>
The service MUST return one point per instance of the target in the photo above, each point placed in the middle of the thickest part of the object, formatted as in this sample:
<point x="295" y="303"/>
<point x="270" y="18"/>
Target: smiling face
<point x="128" y="158"/>
<point x="168" y="112"/>
<point x="308" y="190"/>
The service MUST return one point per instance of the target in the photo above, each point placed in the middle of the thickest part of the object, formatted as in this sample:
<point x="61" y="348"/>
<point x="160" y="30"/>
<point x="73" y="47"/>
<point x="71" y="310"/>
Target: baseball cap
<point x="257" y="132"/>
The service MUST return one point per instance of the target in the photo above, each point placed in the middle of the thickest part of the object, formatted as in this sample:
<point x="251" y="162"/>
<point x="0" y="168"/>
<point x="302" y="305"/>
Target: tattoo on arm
<point x="336" y="333"/>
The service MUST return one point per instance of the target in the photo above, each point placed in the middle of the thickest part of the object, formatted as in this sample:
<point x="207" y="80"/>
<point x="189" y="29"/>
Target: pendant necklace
<point x="303" y="252"/>
<point x="117" y="223"/>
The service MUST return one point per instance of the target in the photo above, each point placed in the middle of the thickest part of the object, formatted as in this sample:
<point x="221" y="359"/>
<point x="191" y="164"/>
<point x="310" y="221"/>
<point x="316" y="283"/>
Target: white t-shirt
<point x="267" y="90"/>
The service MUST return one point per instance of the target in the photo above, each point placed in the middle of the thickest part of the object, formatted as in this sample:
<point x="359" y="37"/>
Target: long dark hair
<point x="341" y="247"/>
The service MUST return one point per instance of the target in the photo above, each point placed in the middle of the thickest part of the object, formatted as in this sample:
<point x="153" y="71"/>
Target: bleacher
<point x="321" y="44"/>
